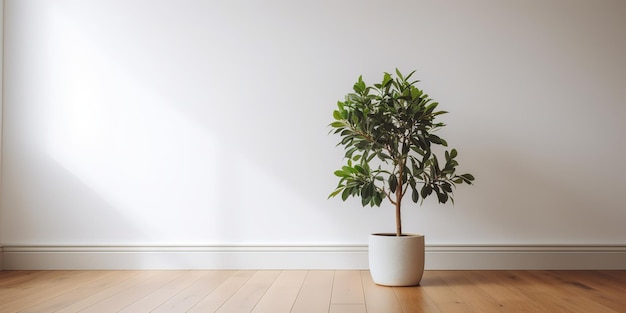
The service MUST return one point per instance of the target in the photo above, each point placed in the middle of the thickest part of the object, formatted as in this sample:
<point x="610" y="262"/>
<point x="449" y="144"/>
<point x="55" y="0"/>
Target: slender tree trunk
<point x="399" y="185"/>
<point x="398" y="206"/>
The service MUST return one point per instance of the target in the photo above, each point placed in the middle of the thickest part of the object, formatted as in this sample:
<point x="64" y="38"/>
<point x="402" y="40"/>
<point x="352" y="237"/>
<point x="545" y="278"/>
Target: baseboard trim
<point x="527" y="257"/>
<point x="438" y="257"/>
<point x="185" y="257"/>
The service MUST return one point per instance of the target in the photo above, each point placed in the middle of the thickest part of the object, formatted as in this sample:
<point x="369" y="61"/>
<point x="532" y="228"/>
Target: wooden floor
<point x="310" y="291"/>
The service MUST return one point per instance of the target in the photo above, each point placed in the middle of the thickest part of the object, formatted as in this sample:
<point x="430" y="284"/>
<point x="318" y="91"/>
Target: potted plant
<point x="387" y="130"/>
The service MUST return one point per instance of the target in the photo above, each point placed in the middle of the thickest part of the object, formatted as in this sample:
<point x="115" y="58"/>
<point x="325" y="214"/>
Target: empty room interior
<point x="176" y="156"/>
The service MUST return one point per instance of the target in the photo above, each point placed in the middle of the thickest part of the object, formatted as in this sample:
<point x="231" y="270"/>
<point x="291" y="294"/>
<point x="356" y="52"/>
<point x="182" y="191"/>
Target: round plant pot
<point x="396" y="261"/>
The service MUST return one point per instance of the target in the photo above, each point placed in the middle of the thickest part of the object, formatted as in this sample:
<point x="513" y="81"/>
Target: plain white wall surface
<point x="1" y="50"/>
<point x="205" y="122"/>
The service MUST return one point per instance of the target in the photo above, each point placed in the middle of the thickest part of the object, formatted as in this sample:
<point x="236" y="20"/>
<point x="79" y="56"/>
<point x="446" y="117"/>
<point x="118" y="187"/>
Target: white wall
<point x="1" y="75"/>
<point x="204" y="122"/>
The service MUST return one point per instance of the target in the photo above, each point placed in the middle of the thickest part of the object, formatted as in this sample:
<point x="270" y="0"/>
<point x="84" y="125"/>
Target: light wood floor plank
<point x="190" y="296"/>
<point x="128" y="296"/>
<point x="12" y="278"/>
<point x="213" y="301"/>
<point x="157" y="298"/>
<point x="604" y="280"/>
<point x="80" y="289"/>
<point x="45" y="288"/>
<point x="347" y="295"/>
<point x="444" y="298"/>
<point x="510" y="299"/>
<point x="540" y="291"/>
<point x="606" y="290"/>
<point x="606" y="293"/>
<point x="347" y="308"/>
<point x="246" y="298"/>
<point x="281" y="296"/>
<point x="572" y="295"/>
<point x="534" y="291"/>
<point x="18" y="286"/>
<point x="315" y="294"/>
<point x="32" y="283"/>
<point x="477" y="299"/>
<point x="415" y="299"/>
<point x="347" y="288"/>
<point x="379" y="299"/>
<point x="128" y="279"/>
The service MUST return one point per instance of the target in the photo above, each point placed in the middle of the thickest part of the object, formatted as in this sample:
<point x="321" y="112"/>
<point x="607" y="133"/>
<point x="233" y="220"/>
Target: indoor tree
<point x="387" y="130"/>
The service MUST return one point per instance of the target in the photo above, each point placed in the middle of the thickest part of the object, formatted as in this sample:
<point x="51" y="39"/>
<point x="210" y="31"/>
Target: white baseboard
<point x="186" y="257"/>
<point x="438" y="257"/>
<point x="526" y="257"/>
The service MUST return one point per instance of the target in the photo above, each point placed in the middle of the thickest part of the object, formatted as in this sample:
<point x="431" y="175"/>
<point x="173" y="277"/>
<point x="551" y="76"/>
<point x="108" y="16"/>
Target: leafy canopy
<point x="387" y="132"/>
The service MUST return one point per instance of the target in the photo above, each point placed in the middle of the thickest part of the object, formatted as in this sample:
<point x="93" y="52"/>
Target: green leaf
<point x="337" y="115"/>
<point x="429" y="109"/>
<point x="435" y="164"/>
<point x="415" y="93"/>
<point x="349" y="152"/>
<point x="426" y="191"/>
<point x="345" y="194"/>
<point x="393" y="182"/>
<point x="365" y="192"/>
<point x="340" y="173"/>
<point x="334" y="193"/>
<point x="446" y="187"/>
<point x="386" y="80"/>
<point x="383" y="156"/>
<point x="359" y="86"/>
<point x="435" y="139"/>
<point x="378" y="198"/>
<point x="364" y="201"/>
<point x="399" y="74"/>
<point x="415" y="195"/>
<point x="442" y="197"/>
<point x="468" y="178"/>
<point x="348" y="169"/>
<point x="360" y="169"/>
<point x="409" y="76"/>
<point x="344" y="132"/>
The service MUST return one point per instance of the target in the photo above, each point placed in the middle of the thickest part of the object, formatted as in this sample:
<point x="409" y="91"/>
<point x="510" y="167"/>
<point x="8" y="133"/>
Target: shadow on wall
<point x="160" y="169"/>
<point x="536" y="202"/>
<point x="218" y="175"/>
<point x="50" y="205"/>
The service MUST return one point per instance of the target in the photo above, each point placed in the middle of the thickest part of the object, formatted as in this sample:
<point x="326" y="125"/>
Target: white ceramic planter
<point x="396" y="261"/>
